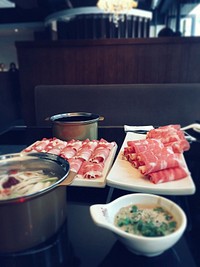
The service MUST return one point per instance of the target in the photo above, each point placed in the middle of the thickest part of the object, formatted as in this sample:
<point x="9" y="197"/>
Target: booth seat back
<point x="131" y="104"/>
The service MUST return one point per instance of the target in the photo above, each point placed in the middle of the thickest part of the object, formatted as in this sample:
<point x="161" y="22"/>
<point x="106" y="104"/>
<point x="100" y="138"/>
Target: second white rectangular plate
<point x="124" y="176"/>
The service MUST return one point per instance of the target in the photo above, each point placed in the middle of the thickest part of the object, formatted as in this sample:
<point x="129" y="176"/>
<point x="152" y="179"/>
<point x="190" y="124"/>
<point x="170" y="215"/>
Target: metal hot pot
<point x="75" y="125"/>
<point x="29" y="220"/>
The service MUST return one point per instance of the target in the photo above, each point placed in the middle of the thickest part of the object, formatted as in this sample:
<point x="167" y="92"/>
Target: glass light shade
<point x="117" y="8"/>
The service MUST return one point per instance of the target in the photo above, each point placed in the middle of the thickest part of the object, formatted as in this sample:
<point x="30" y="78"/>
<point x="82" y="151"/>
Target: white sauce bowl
<point x="103" y="215"/>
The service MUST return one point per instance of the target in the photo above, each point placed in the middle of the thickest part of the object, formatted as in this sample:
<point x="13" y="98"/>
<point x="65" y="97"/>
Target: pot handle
<point x="69" y="179"/>
<point x="101" y="118"/>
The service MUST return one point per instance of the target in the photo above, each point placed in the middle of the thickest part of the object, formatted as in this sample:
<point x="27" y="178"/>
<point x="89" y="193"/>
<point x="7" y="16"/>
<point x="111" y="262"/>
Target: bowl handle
<point x="99" y="215"/>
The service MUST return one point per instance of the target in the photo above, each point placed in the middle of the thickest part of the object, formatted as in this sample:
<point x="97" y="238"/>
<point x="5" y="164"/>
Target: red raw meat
<point x="77" y="152"/>
<point x="38" y="146"/>
<point x="75" y="164"/>
<point x="170" y="135"/>
<point x="168" y="175"/>
<point x="163" y="132"/>
<point x="137" y="146"/>
<point x="102" y="151"/>
<point x="151" y="161"/>
<point x="159" y="156"/>
<point x="75" y="144"/>
<point x="84" y="154"/>
<point x="68" y="152"/>
<point x="55" y="146"/>
<point x="144" y="144"/>
<point x="86" y="150"/>
<point x="105" y="144"/>
<point x="54" y="150"/>
<point x="91" y="170"/>
<point x="99" y="155"/>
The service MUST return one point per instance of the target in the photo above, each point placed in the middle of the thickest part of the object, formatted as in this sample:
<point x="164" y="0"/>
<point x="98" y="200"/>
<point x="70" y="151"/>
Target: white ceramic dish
<point x="103" y="215"/>
<point x="124" y="176"/>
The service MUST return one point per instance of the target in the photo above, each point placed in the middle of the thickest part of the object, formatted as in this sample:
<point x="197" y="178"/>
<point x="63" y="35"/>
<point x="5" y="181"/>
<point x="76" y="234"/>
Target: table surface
<point x="79" y="242"/>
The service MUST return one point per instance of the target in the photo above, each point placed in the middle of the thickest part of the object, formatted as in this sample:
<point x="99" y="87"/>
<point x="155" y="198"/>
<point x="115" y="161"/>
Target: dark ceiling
<point x="37" y="10"/>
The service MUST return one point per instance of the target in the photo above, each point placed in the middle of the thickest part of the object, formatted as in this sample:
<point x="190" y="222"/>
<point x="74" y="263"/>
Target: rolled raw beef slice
<point x="152" y="162"/>
<point x="168" y="175"/>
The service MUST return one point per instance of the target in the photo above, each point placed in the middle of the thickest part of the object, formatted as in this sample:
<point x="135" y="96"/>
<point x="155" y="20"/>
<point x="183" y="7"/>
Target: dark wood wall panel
<point x="107" y="61"/>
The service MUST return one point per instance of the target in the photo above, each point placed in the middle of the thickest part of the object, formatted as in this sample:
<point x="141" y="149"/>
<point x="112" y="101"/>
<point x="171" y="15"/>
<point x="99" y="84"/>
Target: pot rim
<point x="46" y="156"/>
<point x="90" y="118"/>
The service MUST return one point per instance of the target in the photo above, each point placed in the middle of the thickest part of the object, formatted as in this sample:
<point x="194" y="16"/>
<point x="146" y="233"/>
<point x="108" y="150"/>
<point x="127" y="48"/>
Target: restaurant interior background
<point x="28" y="20"/>
<point x="62" y="42"/>
<point x="26" y="26"/>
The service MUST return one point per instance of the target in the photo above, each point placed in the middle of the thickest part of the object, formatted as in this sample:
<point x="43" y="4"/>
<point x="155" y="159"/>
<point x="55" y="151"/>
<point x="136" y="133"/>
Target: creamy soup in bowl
<point x="145" y="220"/>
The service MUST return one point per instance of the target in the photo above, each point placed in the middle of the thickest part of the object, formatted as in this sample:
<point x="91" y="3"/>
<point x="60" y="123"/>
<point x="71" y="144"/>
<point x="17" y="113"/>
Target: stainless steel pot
<point x="29" y="220"/>
<point x="76" y="125"/>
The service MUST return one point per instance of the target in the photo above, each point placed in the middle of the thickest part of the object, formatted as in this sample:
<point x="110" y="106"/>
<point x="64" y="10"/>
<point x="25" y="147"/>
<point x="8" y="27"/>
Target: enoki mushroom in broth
<point x="16" y="184"/>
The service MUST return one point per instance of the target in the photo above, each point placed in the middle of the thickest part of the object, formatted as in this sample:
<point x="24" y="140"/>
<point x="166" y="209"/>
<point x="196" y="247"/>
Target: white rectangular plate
<point x="124" y="176"/>
<point x="99" y="182"/>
